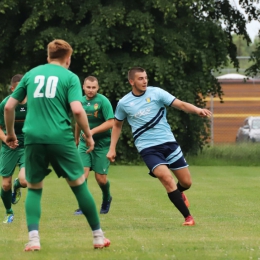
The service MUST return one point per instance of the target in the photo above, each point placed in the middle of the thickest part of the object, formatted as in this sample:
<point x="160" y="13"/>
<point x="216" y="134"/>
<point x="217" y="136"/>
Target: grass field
<point x="142" y="223"/>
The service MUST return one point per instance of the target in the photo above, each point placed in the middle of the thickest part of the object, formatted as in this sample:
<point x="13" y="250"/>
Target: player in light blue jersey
<point x="145" y="110"/>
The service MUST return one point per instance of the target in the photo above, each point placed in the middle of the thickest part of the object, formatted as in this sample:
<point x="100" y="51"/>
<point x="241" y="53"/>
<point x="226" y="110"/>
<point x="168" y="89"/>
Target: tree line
<point x="179" y="43"/>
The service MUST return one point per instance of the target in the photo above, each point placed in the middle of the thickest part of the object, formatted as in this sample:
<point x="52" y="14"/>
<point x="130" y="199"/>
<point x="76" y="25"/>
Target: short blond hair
<point x="59" y="49"/>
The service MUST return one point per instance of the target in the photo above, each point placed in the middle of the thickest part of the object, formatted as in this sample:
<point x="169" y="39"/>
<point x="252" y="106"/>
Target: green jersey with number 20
<point x="50" y="89"/>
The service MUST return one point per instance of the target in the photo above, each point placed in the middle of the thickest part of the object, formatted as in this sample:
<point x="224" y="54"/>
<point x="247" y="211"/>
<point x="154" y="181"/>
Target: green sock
<point x="87" y="205"/>
<point x="105" y="191"/>
<point x="7" y="200"/>
<point x="17" y="184"/>
<point x="33" y="208"/>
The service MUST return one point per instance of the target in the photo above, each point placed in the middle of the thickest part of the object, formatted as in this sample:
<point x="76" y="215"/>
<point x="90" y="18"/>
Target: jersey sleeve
<point x="107" y="109"/>
<point x="120" y="113"/>
<point x="20" y="91"/>
<point x="74" y="89"/>
<point x="165" y="97"/>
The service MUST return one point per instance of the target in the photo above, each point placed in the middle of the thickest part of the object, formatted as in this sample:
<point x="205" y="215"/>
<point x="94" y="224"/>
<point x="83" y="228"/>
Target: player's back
<point x="50" y="89"/>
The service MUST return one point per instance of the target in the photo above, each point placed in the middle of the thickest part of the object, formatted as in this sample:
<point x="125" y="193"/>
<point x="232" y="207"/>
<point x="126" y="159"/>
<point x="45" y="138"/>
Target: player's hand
<point x="111" y="155"/>
<point x="204" y="113"/>
<point x="89" y="143"/>
<point x="77" y="141"/>
<point x="11" y="141"/>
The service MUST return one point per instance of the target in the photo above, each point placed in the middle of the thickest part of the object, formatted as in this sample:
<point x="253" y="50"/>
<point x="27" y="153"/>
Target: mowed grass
<point x="142" y="223"/>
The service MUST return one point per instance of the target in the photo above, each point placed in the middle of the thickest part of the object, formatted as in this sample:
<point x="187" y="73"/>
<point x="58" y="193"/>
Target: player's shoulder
<point x="126" y="97"/>
<point x="5" y="100"/>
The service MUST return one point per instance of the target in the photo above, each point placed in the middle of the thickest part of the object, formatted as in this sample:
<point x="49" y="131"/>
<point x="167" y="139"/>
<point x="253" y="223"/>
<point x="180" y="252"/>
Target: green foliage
<point x="243" y="154"/>
<point x="179" y="43"/>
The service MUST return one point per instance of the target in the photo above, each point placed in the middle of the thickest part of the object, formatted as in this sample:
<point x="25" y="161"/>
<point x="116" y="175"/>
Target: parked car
<point x="250" y="131"/>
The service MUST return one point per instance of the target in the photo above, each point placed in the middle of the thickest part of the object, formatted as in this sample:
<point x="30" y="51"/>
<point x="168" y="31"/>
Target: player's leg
<point x="8" y="162"/>
<point x="19" y="182"/>
<point x="68" y="164"/>
<point x="100" y="164"/>
<point x="163" y="173"/>
<point x="6" y="196"/>
<point x="184" y="182"/>
<point x="36" y="164"/>
<point x="86" y="174"/>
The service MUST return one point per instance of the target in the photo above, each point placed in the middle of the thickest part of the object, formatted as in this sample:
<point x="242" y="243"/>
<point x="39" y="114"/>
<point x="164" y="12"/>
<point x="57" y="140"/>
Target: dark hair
<point x="91" y="78"/>
<point x="133" y="70"/>
<point x="16" y="78"/>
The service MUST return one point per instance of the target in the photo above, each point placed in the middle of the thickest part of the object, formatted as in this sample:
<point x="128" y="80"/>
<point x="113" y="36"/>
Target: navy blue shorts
<point x="169" y="154"/>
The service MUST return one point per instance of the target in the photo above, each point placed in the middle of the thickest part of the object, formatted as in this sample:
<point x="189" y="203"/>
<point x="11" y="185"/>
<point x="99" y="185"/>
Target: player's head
<point x="137" y="78"/>
<point x="90" y="86"/>
<point x="15" y="81"/>
<point x="59" y="51"/>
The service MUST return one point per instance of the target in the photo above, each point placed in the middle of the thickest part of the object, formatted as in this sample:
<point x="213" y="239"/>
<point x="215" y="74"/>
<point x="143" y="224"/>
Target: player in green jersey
<point x="101" y="118"/>
<point x="52" y="93"/>
<point x="10" y="157"/>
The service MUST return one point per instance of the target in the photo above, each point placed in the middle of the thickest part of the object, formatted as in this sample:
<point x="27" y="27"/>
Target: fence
<point x="241" y="99"/>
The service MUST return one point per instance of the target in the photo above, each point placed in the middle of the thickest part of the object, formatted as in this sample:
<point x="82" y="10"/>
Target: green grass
<point x="242" y="154"/>
<point x="142" y="223"/>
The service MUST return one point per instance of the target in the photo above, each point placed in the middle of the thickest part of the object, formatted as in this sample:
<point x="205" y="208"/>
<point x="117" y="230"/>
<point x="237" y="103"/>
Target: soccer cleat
<point x="100" y="242"/>
<point x="16" y="195"/>
<point x="189" y="221"/>
<point x="8" y="218"/>
<point x="78" y="212"/>
<point x="33" y="244"/>
<point x="185" y="199"/>
<point x="105" y="206"/>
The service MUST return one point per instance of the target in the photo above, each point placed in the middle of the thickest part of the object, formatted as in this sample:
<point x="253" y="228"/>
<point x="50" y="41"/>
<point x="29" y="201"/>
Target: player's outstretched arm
<point x="82" y="121"/>
<point x="116" y="131"/>
<point x="103" y="127"/>
<point x="189" y="108"/>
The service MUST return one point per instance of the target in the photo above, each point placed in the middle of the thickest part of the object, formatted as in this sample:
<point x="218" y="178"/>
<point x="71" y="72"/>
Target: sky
<point x="254" y="26"/>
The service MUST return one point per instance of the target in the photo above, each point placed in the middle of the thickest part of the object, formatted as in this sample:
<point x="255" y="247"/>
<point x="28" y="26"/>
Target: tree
<point x="179" y="43"/>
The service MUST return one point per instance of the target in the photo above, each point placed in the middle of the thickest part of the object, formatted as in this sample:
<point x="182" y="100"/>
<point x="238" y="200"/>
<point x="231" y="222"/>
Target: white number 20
<point x="50" y="89"/>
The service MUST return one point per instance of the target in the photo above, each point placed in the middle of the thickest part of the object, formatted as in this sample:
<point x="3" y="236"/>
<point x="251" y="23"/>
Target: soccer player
<point x="101" y="118"/>
<point x="144" y="108"/>
<point x="52" y="93"/>
<point x="12" y="156"/>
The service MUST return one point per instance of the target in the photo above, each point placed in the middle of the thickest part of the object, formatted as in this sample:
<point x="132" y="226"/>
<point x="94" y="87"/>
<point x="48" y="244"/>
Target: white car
<point x="250" y="131"/>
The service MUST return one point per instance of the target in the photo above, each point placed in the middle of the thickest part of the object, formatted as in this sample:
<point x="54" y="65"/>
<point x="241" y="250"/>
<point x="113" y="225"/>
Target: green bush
<point x="244" y="154"/>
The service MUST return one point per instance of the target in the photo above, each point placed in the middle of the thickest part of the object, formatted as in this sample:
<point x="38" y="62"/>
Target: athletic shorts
<point x="64" y="159"/>
<point x="96" y="160"/>
<point x="169" y="154"/>
<point x="9" y="158"/>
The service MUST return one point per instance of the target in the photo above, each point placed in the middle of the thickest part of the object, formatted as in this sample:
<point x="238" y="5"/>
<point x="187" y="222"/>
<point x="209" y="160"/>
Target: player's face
<point x="139" y="83"/>
<point x="90" y="88"/>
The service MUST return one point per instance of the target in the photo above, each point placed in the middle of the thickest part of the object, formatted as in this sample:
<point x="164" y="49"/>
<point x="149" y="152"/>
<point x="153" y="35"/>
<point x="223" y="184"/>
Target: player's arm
<point x="77" y="133"/>
<point x="2" y="134"/>
<point x="82" y="121"/>
<point x="189" y="108"/>
<point x="116" y="131"/>
<point x="9" y="115"/>
<point x="103" y="127"/>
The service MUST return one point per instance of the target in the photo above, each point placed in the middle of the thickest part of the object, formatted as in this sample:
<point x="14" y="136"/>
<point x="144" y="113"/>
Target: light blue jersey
<point x="146" y="115"/>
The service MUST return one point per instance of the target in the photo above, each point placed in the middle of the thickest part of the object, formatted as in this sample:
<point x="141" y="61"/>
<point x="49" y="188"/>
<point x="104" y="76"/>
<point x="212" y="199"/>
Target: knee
<point x="23" y="183"/>
<point x="6" y="186"/>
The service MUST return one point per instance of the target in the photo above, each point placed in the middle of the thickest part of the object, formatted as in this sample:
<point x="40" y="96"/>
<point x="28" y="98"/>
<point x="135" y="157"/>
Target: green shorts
<point x="64" y="159"/>
<point x="96" y="160"/>
<point x="9" y="159"/>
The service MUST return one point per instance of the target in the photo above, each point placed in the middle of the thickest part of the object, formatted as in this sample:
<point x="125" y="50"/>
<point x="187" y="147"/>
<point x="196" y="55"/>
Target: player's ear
<point x="131" y="82"/>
